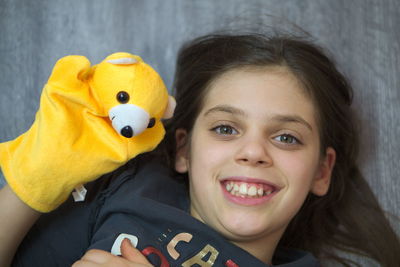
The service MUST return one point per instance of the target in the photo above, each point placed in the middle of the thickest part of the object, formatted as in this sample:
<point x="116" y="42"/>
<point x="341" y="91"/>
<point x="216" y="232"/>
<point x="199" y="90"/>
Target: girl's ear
<point x="182" y="149"/>
<point x="322" y="180"/>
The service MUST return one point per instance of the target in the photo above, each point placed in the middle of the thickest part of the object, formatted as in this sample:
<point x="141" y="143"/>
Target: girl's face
<point x="253" y="155"/>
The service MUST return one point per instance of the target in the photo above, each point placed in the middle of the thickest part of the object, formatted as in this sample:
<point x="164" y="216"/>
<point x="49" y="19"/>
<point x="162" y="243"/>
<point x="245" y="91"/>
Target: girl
<point x="264" y="136"/>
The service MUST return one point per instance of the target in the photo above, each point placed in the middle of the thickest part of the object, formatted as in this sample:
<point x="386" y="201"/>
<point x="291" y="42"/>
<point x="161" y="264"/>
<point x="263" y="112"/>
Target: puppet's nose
<point x="127" y="132"/>
<point x="129" y="120"/>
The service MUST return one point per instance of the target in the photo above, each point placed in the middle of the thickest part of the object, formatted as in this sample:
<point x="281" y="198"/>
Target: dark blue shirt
<point x="149" y="207"/>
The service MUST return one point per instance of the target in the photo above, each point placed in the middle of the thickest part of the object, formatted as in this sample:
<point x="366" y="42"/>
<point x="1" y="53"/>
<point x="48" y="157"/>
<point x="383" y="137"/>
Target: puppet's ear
<point x="169" y="111"/>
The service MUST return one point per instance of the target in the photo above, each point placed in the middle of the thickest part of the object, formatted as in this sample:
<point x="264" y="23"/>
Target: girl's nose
<point x="253" y="153"/>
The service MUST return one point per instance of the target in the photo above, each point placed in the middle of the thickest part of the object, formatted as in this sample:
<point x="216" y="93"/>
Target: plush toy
<point x="91" y="120"/>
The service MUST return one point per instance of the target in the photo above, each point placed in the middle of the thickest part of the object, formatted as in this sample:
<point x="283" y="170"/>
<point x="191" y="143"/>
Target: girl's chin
<point x="243" y="229"/>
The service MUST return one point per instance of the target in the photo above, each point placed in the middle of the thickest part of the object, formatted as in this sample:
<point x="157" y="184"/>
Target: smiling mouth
<point x="242" y="189"/>
<point x="248" y="192"/>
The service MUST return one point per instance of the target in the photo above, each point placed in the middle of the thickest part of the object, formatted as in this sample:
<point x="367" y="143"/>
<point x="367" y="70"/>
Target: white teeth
<point x="252" y="191"/>
<point x="228" y="187"/>
<point x="246" y="190"/>
<point x="243" y="189"/>
<point x="235" y="187"/>
<point x="260" y="192"/>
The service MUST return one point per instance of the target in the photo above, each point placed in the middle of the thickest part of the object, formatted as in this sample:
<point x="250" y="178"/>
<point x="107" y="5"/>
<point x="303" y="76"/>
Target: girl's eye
<point x="287" y="139"/>
<point x="224" y="130"/>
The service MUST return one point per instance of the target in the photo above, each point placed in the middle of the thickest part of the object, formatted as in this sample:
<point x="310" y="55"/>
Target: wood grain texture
<point x="362" y="35"/>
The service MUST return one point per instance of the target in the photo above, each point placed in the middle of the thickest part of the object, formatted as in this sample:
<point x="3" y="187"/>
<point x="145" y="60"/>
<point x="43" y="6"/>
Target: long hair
<point x="348" y="218"/>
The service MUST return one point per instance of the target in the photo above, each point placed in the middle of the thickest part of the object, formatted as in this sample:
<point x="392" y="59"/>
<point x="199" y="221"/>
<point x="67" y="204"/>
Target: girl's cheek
<point x="208" y="159"/>
<point x="210" y="150"/>
<point x="297" y="167"/>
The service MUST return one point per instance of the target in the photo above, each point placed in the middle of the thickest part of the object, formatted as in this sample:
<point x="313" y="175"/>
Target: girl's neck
<point x="261" y="248"/>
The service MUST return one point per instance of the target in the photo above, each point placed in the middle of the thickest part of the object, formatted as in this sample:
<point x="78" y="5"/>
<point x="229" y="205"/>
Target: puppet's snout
<point x="129" y="120"/>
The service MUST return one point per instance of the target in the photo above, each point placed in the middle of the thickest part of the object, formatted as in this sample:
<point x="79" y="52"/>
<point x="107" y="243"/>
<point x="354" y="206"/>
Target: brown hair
<point x="349" y="217"/>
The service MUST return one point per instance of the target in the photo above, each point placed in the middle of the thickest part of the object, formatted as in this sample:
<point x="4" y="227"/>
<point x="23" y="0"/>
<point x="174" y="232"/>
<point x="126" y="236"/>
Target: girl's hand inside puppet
<point x="91" y="120"/>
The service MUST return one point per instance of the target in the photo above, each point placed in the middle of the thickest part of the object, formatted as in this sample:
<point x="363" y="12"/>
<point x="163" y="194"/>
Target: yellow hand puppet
<point x="91" y="120"/>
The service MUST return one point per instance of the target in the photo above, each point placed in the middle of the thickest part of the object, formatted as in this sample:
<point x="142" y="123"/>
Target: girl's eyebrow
<point x="291" y="119"/>
<point x="226" y="109"/>
<point x="282" y="118"/>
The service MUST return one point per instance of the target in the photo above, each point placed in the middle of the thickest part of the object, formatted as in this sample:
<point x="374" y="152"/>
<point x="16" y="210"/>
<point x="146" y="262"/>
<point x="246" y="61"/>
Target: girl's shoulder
<point x="145" y="180"/>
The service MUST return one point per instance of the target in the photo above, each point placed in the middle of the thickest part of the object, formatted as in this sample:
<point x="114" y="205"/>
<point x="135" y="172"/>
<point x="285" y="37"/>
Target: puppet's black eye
<point x="123" y="97"/>
<point x="152" y="122"/>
